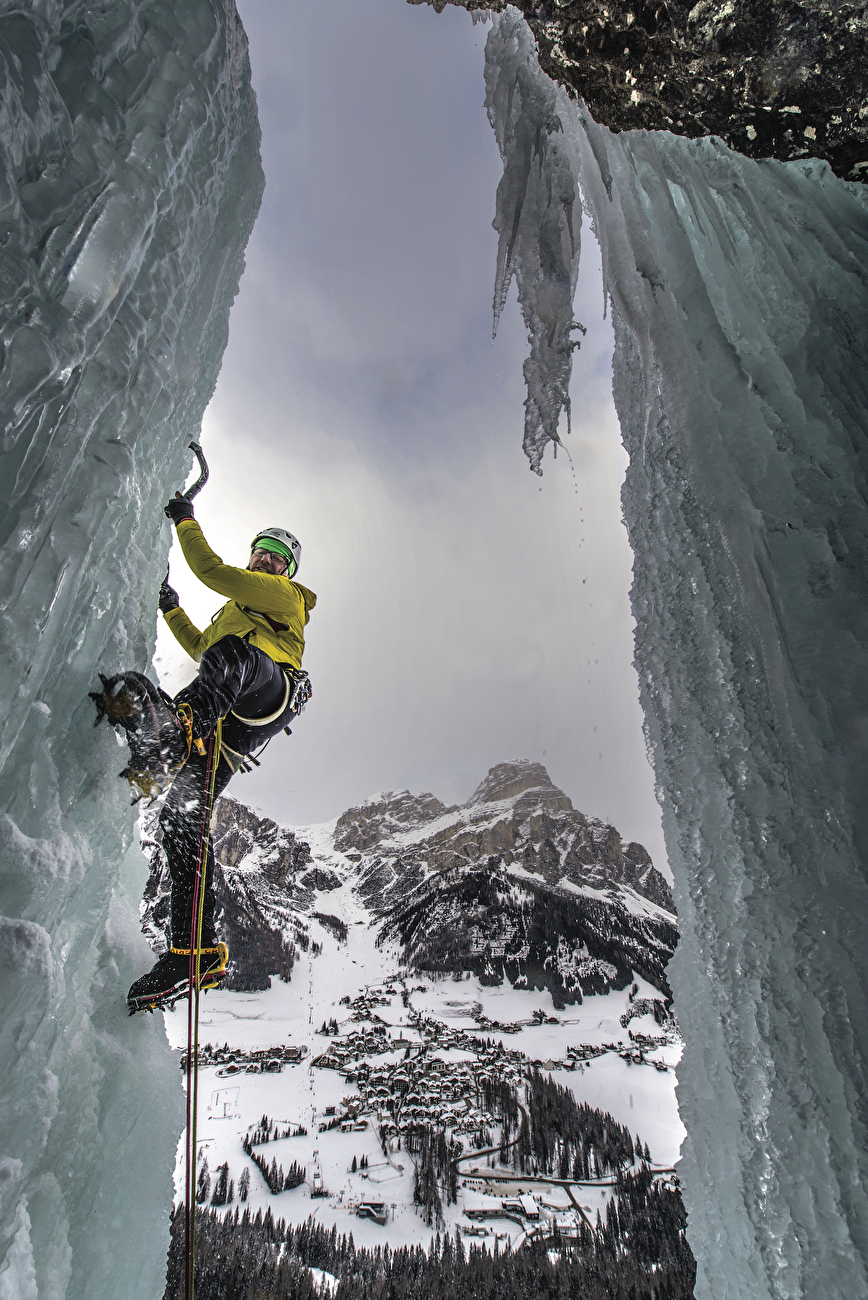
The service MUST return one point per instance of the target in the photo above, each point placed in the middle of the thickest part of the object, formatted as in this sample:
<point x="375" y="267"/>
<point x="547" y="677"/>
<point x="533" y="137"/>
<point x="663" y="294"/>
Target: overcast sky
<point x="469" y="612"/>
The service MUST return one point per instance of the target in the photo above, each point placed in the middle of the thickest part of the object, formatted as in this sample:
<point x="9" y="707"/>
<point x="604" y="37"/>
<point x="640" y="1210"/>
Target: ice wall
<point x="129" y="182"/>
<point x="738" y="291"/>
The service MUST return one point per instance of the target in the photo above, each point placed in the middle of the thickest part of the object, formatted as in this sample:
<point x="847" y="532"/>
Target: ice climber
<point x="249" y="675"/>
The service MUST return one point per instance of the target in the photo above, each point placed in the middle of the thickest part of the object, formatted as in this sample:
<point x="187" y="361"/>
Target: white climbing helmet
<point x="282" y="543"/>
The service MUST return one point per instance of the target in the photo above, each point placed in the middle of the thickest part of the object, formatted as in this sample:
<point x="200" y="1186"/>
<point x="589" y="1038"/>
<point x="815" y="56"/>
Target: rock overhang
<point x="776" y="80"/>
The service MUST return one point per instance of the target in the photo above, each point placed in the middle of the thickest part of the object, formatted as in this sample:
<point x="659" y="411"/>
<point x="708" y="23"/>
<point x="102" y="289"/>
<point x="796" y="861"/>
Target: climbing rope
<point x="192" y="1071"/>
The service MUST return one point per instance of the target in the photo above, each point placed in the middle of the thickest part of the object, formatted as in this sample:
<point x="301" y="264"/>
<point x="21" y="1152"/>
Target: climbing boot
<point x="170" y="978"/>
<point x="159" y="734"/>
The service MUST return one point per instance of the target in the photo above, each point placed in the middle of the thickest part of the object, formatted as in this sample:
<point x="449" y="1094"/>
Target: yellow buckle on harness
<point x="185" y="713"/>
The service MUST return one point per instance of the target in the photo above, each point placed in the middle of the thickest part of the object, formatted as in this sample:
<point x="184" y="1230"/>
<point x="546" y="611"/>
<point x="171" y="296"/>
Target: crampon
<point x="169" y="981"/>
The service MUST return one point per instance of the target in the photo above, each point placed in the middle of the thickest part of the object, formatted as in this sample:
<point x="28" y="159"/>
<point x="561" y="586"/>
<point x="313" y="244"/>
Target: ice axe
<point x="203" y="466"/>
<point x="190" y="492"/>
<point x="167" y="594"/>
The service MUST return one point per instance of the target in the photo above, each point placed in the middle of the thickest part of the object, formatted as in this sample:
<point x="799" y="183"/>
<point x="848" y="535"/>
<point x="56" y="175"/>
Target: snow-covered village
<point x="355" y="1111"/>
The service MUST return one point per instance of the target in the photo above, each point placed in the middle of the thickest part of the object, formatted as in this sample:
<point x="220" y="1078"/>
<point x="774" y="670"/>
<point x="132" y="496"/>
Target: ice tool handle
<point x="196" y="449"/>
<point x="190" y="492"/>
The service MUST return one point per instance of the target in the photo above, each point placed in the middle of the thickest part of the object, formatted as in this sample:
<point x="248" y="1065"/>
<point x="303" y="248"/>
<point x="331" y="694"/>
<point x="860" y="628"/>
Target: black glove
<point x="179" y="508"/>
<point x="168" y="597"/>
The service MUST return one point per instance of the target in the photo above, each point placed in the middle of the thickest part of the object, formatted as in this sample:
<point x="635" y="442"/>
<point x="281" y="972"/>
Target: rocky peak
<point x="516" y="816"/>
<point x="384" y="815"/>
<point x="238" y="830"/>
<point x="506" y="780"/>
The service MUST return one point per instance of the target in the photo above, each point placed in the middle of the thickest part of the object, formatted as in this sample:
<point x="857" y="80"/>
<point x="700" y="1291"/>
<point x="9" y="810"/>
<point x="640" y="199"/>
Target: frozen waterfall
<point x="130" y="182"/>
<point x="738" y="291"/>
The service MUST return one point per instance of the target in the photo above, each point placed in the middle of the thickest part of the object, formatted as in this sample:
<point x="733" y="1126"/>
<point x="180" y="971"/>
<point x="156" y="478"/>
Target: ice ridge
<point x="129" y="183"/>
<point x="738" y="291"/>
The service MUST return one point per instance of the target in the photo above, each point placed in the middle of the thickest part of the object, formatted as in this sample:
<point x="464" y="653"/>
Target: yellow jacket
<point x="254" y="598"/>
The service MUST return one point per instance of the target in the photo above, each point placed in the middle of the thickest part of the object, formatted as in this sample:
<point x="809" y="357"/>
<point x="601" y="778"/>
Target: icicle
<point x="538" y="219"/>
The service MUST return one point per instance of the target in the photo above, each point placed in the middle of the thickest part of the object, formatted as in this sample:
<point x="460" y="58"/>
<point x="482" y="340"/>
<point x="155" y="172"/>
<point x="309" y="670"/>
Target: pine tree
<point x="203" y="1185"/>
<point x="640" y="1254"/>
<point x="244" y="1183"/>
<point x="221" y="1187"/>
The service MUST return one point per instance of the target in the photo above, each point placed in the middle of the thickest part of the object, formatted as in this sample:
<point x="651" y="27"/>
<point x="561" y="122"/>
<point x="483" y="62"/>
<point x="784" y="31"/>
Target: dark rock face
<point x="236" y="829"/>
<point x="261" y="937"/>
<point x="320" y="879"/>
<point x="773" y="78"/>
<point x="536" y="937"/>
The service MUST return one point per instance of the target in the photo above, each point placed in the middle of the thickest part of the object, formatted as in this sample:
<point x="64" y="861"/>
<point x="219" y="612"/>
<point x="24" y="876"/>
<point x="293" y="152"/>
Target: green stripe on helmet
<point x="268" y="544"/>
<point x="277" y="548"/>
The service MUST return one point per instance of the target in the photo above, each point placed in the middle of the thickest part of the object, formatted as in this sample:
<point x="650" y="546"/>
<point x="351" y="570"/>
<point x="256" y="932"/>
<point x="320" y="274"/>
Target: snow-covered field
<point x="636" y="1095"/>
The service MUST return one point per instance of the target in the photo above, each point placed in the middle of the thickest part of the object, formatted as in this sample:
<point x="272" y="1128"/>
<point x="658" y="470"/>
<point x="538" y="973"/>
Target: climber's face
<point x="266" y="562"/>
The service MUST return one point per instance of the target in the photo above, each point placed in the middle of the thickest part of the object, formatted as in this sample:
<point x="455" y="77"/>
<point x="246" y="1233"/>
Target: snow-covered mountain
<point x="514" y="885"/>
<point x="504" y="926"/>
<point x="516" y="816"/>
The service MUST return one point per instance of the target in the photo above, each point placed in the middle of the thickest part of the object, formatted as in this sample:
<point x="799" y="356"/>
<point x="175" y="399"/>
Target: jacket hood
<point x="308" y="596"/>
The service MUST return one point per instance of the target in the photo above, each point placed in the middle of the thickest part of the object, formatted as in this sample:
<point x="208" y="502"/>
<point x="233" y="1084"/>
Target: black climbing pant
<point x="232" y="676"/>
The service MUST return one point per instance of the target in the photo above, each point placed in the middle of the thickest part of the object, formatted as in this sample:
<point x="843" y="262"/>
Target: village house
<point x="374" y="1210"/>
<point x="524" y="1205"/>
